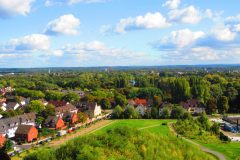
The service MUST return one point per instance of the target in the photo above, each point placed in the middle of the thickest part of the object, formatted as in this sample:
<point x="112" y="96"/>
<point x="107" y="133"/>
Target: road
<point x="93" y="128"/>
<point x="220" y="156"/>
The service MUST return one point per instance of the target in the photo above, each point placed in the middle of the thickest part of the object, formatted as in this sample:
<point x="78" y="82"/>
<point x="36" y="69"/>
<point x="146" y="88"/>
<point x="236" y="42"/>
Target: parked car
<point x="61" y="133"/>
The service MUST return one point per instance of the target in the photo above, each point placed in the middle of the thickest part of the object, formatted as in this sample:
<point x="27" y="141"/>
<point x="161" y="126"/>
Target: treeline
<point x="218" y="91"/>
<point x="122" y="143"/>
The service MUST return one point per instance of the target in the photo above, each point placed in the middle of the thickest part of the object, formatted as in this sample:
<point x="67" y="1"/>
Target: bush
<point x="122" y="143"/>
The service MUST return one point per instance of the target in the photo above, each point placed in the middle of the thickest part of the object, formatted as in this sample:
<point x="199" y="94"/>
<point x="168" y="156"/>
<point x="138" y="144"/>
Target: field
<point x="230" y="150"/>
<point x="153" y="126"/>
<point x="158" y="127"/>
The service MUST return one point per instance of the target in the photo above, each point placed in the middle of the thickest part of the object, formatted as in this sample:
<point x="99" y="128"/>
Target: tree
<point x="165" y="114"/>
<point x="157" y="100"/>
<point x="181" y="90"/>
<point x="35" y="106"/>
<point x="204" y="121"/>
<point x="154" y="112"/>
<point x="215" y="128"/>
<point x="177" y="112"/>
<point x="105" y="103"/>
<point x="121" y="100"/>
<point x="71" y="97"/>
<point x="223" y="105"/>
<point x="82" y="117"/>
<point x="130" y="113"/>
<point x="118" y="111"/>
<point x="211" y="106"/>
<point x="53" y="95"/>
<point x="48" y="111"/>
<point x="40" y="120"/>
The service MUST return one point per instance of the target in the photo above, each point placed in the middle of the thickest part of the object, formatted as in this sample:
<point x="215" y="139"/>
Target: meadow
<point x="125" y="139"/>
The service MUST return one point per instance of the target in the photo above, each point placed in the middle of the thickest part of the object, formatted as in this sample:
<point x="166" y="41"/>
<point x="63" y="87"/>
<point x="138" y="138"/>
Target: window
<point x="9" y="124"/>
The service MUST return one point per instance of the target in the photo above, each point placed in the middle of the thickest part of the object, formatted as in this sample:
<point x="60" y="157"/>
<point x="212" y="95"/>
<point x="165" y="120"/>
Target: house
<point x="26" y="133"/>
<point x="65" y="108"/>
<point x="140" y="105"/>
<point x="24" y="101"/>
<point x="54" y="122"/>
<point x="8" y="126"/>
<point x="3" y="106"/>
<point x="72" y="118"/>
<point x="2" y="140"/>
<point x="91" y="108"/>
<point x="12" y="105"/>
<point x="193" y="106"/>
<point x="3" y="100"/>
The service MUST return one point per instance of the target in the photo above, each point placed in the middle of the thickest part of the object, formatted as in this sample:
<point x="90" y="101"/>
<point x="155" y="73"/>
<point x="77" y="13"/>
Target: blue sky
<point x="76" y="33"/>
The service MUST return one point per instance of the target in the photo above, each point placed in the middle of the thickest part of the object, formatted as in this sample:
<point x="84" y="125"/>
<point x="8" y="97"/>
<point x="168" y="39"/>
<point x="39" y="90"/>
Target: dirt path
<point x="149" y="127"/>
<point x="83" y="131"/>
<point x="204" y="149"/>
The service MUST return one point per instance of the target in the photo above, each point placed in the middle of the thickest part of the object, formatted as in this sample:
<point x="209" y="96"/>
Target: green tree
<point x="54" y="95"/>
<point x="118" y="111"/>
<point x="71" y="97"/>
<point x="211" y="106"/>
<point x="223" y="105"/>
<point x="48" y="111"/>
<point x="154" y="112"/>
<point x="177" y="112"/>
<point x="165" y="114"/>
<point x="131" y="113"/>
<point x="105" y="103"/>
<point x="35" y="106"/>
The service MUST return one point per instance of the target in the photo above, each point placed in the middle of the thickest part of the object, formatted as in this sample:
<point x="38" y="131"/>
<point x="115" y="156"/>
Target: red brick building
<point x="26" y="133"/>
<point x="72" y="118"/>
<point x="54" y="122"/>
<point x="2" y="140"/>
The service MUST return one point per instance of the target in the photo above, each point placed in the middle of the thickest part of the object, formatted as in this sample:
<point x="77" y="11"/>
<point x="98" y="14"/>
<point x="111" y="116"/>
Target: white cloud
<point x="181" y="38"/>
<point x="29" y="42"/>
<point x="172" y="4"/>
<point x="190" y="15"/>
<point x="237" y="27"/>
<point x="70" y="2"/>
<point x="233" y="18"/>
<point x="213" y="14"/>
<point x="223" y="33"/>
<point x="66" y="24"/>
<point x="14" y="7"/>
<point x="205" y="53"/>
<point x="148" y="21"/>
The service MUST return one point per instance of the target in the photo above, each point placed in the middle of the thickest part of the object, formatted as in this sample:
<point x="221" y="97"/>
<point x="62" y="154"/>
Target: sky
<point x="84" y="33"/>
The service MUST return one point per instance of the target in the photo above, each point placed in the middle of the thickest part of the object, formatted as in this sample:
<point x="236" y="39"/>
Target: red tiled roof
<point x="57" y="103"/>
<point x="141" y="101"/>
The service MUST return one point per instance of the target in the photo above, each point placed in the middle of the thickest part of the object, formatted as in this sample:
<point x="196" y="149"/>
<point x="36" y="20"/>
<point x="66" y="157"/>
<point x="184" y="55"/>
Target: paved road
<point x="220" y="156"/>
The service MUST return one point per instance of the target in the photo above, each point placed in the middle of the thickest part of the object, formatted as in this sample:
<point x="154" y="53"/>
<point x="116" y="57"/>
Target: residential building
<point x="12" y="105"/>
<point x="2" y="140"/>
<point x="193" y="106"/>
<point x="92" y="109"/>
<point x="8" y="126"/>
<point x="26" y="133"/>
<point x="54" y="122"/>
<point x="72" y="118"/>
<point x="68" y="108"/>
<point x="140" y="105"/>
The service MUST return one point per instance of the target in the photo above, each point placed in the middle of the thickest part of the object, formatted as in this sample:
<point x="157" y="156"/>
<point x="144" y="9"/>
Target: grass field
<point x="230" y="150"/>
<point x="154" y="126"/>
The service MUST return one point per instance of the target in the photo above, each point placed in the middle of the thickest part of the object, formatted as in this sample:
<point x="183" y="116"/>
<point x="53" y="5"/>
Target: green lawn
<point x="154" y="126"/>
<point x="230" y="150"/>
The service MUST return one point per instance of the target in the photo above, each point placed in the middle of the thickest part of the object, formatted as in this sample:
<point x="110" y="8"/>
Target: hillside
<point x="120" y="144"/>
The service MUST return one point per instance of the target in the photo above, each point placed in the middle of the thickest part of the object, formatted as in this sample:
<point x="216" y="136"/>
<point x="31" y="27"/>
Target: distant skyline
<point x="85" y="33"/>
